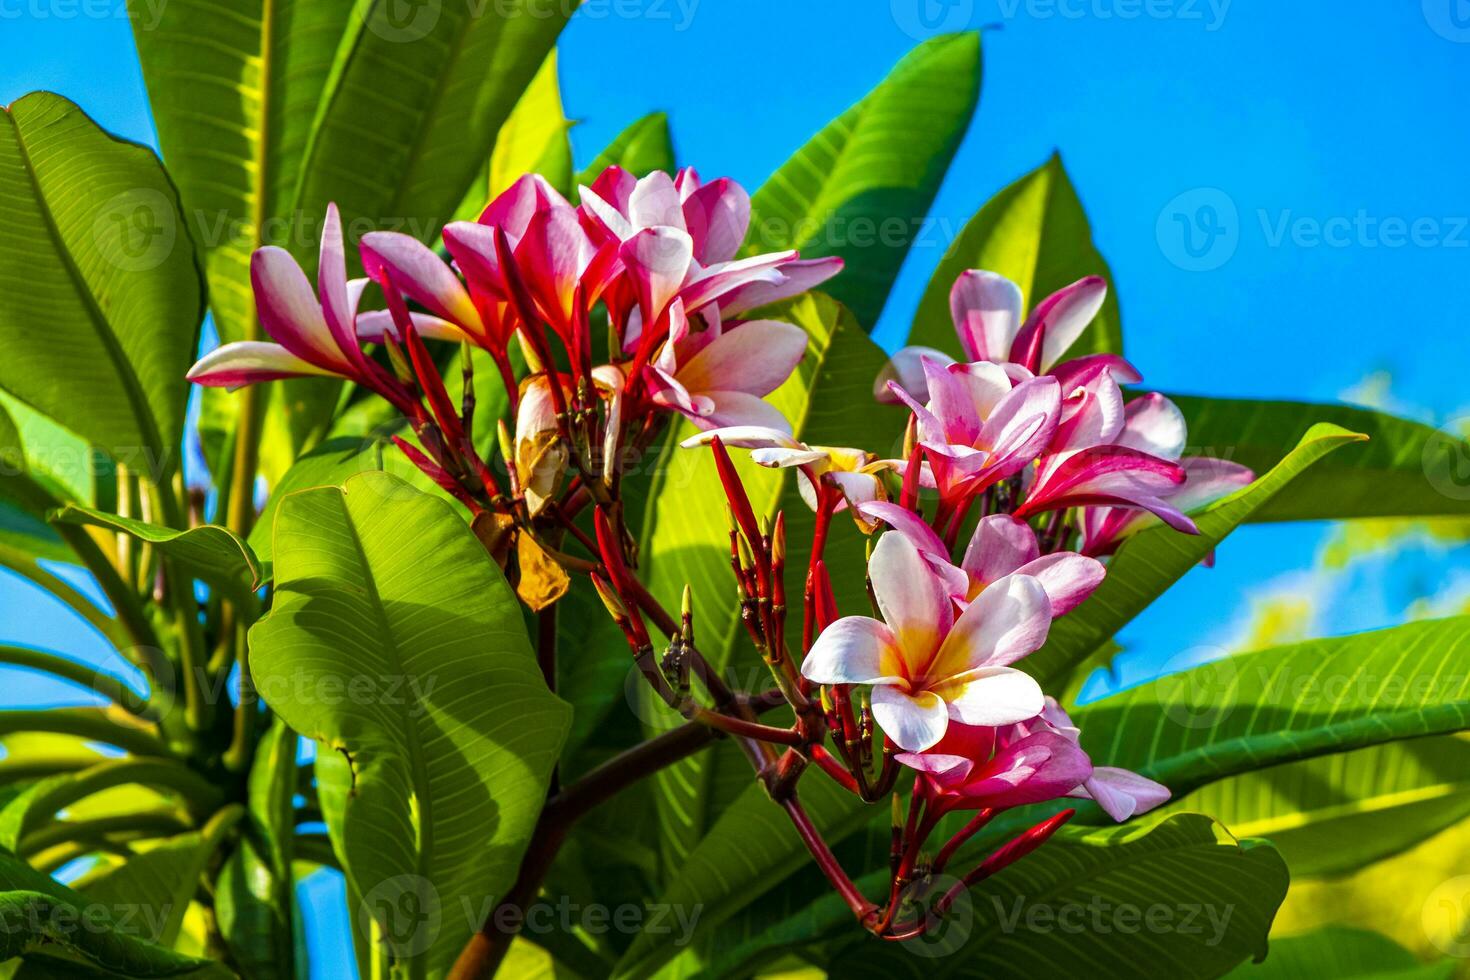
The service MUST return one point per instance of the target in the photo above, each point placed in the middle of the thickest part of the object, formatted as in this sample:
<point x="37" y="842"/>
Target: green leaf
<point x="1337" y="813"/>
<point x="212" y="554"/>
<point x="1274" y="706"/>
<point x="642" y="148"/>
<point x="828" y="402"/>
<point x="861" y="188"/>
<point x="533" y="138"/>
<point x="1336" y="953"/>
<point x="1035" y="233"/>
<point x="38" y="913"/>
<point x="1154" y="559"/>
<point x="1212" y="899"/>
<point x="104" y="296"/>
<point x="384" y="595"/>
<point x="1405" y="470"/>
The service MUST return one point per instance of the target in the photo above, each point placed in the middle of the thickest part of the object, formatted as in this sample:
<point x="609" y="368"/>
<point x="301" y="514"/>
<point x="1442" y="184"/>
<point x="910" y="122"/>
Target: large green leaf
<point x="1336" y="813"/>
<point x="861" y="187"/>
<point x="102" y="294"/>
<point x="1337" y="953"/>
<point x="210" y="553"/>
<point x="642" y="148"/>
<point x="1035" y="233"/>
<point x="1153" y="560"/>
<point x="1078" y="906"/>
<point x="533" y="138"/>
<point x="1405" y="470"/>
<point x="828" y="403"/>
<point x="38" y="915"/>
<point x="451" y="734"/>
<point x="1274" y="706"/>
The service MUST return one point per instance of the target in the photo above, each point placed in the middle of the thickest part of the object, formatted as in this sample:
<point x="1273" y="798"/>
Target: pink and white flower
<point x="852" y="471"/>
<point x="927" y="666"/>
<point x="975" y="767"/>
<point x="1122" y="793"/>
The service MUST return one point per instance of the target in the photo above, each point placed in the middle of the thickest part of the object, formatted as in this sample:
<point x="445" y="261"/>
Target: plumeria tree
<point x="561" y="567"/>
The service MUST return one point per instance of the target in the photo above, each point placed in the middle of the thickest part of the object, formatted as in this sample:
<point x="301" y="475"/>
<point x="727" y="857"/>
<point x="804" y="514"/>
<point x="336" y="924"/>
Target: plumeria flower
<point x="976" y="767"/>
<point x="986" y="308"/>
<point x="1122" y="793"/>
<point x="680" y="237"/>
<point x="1154" y="424"/>
<point x="314" y="333"/>
<point x="1000" y="546"/>
<point x="979" y="426"/>
<point x="719" y="376"/>
<point x="925" y="665"/>
<point x="852" y="471"/>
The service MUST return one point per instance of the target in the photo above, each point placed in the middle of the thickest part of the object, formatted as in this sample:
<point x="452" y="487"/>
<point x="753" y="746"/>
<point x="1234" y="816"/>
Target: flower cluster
<point x="1044" y="461"/>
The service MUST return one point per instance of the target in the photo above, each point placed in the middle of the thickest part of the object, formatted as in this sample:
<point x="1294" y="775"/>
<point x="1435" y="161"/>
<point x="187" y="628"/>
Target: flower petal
<point x="755" y="357"/>
<point x="290" y="311"/>
<point x="331" y="282"/>
<point x="992" y="696"/>
<point x="912" y="599"/>
<point x="732" y="408"/>
<point x="913" y="722"/>
<point x="1154" y="425"/>
<point x="248" y="361"/>
<point x="1000" y="545"/>
<point x="658" y="261"/>
<point x="374" y="324"/>
<point x="1006" y="622"/>
<point x="906" y="369"/>
<point x="1068" y="578"/>
<point x="655" y="201"/>
<point x="418" y="271"/>
<point x="716" y="215"/>
<point x="798" y="276"/>
<point x="744" y="437"/>
<point x="853" y="650"/>
<point x="1062" y="317"/>
<point x="1122" y="793"/>
<point x="986" y="307"/>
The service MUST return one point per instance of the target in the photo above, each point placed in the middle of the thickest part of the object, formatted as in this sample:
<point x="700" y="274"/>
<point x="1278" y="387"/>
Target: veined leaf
<point x="103" y="295"/>
<point x="1036" y="234"/>
<point x="1153" y="560"/>
<point x="1405" y="470"/>
<point x="1336" y="813"/>
<point x="533" y="139"/>
<point x="378" y="584"/>
<point x="37" y="913"/>
<point x="683" y="544"/>
<point x="1245" y="712"/>
<point x="861" y="187"/>
<point x="210" y="553"/>
<point x="642" y="148"/>
<point x="1337" y="953"/>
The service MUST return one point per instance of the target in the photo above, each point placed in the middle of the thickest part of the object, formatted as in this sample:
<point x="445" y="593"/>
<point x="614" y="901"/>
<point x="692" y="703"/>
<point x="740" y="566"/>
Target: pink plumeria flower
<point x="925" y="665"/>
<point x="852" y="471"/>
<point x="719" y="376"/>
<point x="975" y="767"/>
<point x="1155" y="425"/>
<point x="1000" y="546"/>
<point x="314" y="333"/>
<point x="979" y="425"/>
<point x="1121" y="793"/>
<point x="679" y="237"/>
<point x="987" y="308"/>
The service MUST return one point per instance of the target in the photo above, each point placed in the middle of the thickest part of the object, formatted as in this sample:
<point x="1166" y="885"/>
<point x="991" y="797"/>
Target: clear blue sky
<point x="1313" y="127"/>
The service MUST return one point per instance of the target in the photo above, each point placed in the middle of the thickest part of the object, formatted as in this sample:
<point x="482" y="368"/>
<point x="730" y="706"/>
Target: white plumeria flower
<point x="852" y="471"/>
<point x="925" y="665"/>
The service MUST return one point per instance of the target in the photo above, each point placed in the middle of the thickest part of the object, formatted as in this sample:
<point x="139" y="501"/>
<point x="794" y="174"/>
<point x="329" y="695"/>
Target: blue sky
<point x="1328" y="138"/>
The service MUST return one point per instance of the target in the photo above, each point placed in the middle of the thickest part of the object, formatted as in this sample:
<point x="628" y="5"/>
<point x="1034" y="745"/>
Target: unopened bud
<point x="610" y="599"/>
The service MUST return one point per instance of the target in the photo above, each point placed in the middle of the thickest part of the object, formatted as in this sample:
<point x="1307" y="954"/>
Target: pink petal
<point x="986" y="307"/>
<point x="914" y="722"/>
<point x="1080" y="370"/>
<point x="1034" y="769"/>
<point x="374" y="324"/>
<point x="726" y="408"/>
<point x="992" y="696"/>
<point x="552" y="255"/>
<point x="655" y="202"/>
<point x="713" y="284"/>
<point x="1023" y="423"/>
<point x="1207" y="480"/>
<point x="716" y="216"/>
<point x="1000" y="545"/>
<point x="419" y="272"/>
<point x="513" y="208"/>
<point x="912" y="599"/>
<point x="248" y="361"/>
<point x="1154" y="425"/>
<point x="853" y="650"/>
<point x="787" y="457"/>
<point x="1123" y="794"/>
<point x="1063" y="316"/>
<point x="800" y="276"/>
<point x="1009" y="620"/>
<point x="658" y="261"/>
<point x="331" y="280"/>
<point x="755" y="357"/>
<point x="744" y="437"/>
<point x="1068" y="579"/>
<point x="907" y="523"/>
<point x="289" y="309"/>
